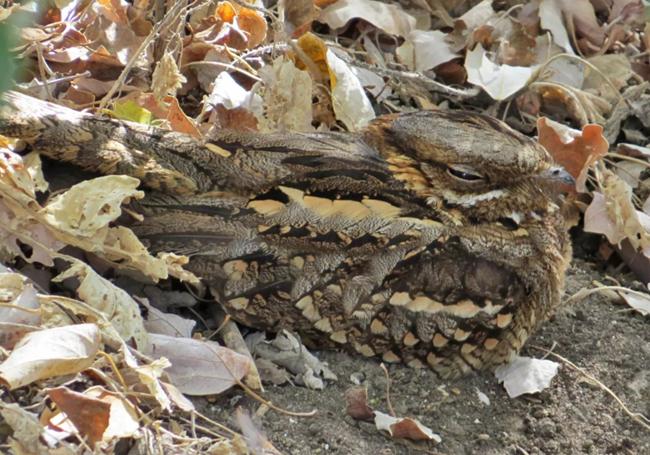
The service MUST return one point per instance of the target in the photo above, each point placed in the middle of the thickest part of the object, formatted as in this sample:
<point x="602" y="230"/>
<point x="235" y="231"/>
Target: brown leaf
<point x="356" y="400"/>
<point x="89" y="415"/>
<point x="405" y="427"/>
<point x="576" y="151"/>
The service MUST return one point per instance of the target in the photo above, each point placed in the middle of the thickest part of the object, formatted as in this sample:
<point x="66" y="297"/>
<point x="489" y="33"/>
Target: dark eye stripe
<point x="463" y="175"/>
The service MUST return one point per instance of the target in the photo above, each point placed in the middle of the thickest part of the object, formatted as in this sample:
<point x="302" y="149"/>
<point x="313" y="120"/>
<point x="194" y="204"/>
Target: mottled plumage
<point x="432" y="237"/>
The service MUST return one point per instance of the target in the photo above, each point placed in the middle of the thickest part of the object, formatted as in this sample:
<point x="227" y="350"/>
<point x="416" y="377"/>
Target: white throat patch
<point x="469" y="200"/>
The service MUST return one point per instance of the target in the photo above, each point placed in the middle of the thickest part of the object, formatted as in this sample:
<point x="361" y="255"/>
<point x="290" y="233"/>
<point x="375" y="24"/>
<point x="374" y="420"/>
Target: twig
<point x="169" y="17"/>
<point x="415" y="78"/>
<point x="388" y="402"/>
<point x="636" y="416"/>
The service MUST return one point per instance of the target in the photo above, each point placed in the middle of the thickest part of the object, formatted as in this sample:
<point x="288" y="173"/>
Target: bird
<point x="432" y="238"/>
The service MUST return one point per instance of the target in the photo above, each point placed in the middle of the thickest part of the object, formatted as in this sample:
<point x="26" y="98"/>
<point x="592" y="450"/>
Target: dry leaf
<point x="297" y="16"/>
<point x="166" y="78"/>
<point x="286" y="92"/>
<point x="27" y="430"/>
<point x="405" y="427"/>
<point x="114" y="303"/>
<point x="550" y="14"/>
<point x="351" y="105"/>
<point x="499" y="81"/>
<point x="90" y="205"/>
<point x="356" y="404"/>
<point x="200" y="367"/>
<point x="390" y="18"/>
<point x="526" y="375"/>
<point x="96" y="414"/>
<point x="575" y="150"/>
<point x="287" y="351"/>
<point x="49" y="353"/>
<point x="167" y="323"/>
<point x="613" y="214"/>
<point x="424" y="50"/>
<point x="18" y="305"/>
<point x="256" y="441"/>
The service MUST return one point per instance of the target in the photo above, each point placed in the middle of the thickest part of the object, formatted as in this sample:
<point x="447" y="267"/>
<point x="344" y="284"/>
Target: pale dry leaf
<point x="351" y="104"/>
<point x="480" y="14"/>
<point x="200" y="367"/>
<point x="228" y="93"/>
<point x="255" y="439"/>
<point x="526" y="375"/>
<point x="49" y="353"/>
<point x="166" y="78"/>
<point x="287" y="96"/>
<point x="637" y="301"/>
<point x="424" y="50"/>
<point x="391" y="18"/>
<point x="114" y="303"/>
<point x="90" y="205"/>
<point x="19" y="310"/>
<point x="372" y="83"/>
<point x="32" y="162"/>
<point x="149" y="376"/>
<point x="405" y="427"/>
<point x="177" y="398"/>
<point x="550" y="15"/>
<point x="499" y="81"/>
<point x="27" y="430"/>
<point x="287" y="351"/>
<point x="169" y="324"/>
<point x="613" y="214"/>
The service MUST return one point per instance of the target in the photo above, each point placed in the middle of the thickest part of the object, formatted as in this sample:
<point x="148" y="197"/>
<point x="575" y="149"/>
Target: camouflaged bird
<point x="430" y="238"/>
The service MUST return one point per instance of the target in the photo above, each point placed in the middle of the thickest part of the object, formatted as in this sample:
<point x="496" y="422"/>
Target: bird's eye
<point x="464" y="173"/>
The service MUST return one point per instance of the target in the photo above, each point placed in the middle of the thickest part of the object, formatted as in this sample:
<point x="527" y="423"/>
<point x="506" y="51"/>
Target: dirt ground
<point x="572" y="416"/>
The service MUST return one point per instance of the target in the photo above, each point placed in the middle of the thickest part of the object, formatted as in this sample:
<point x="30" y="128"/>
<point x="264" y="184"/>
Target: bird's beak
<point x="557" y="181"/>
<point x="558" y="175"/>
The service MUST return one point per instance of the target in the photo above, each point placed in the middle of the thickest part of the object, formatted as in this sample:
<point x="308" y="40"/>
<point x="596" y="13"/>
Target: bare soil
<point x="573" y="416"/>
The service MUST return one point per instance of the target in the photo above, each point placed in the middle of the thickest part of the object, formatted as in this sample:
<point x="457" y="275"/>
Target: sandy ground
<point x="572" y="416"/>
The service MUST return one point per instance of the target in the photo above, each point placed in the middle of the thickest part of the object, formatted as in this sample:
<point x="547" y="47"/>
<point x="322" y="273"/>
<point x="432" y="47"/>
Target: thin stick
<point x="388" y="402"/>
<point x="636" y="416"/>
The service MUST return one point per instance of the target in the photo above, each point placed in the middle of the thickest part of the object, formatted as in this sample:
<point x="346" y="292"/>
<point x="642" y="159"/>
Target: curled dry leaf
<point x="90" y="205"/>
<point x="391" y="18"/>
<point x="424" y="50"/>
<point x="255" y="439"/>
<point x="200" y="367"/>
<point x="356" y="401"/>
<point x="50" y="353"/>
<point x="287" y="351"/>
<point x="286" y="92"/>
<point x="613" y="214"/>
<point x="114" y="303"/>
<point x="405" y="427"/>
<point x="96" y="414"/>
<point x="27" y="430"/>
<point x="550" y="14"/>
<point x="19" y="308"/>
<point x="166" y="78"/>
<point x="351" y="105"/>
<point x="526" y="375"/>
<point x="575" y="150"/>
<point x="499" y="81"/>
